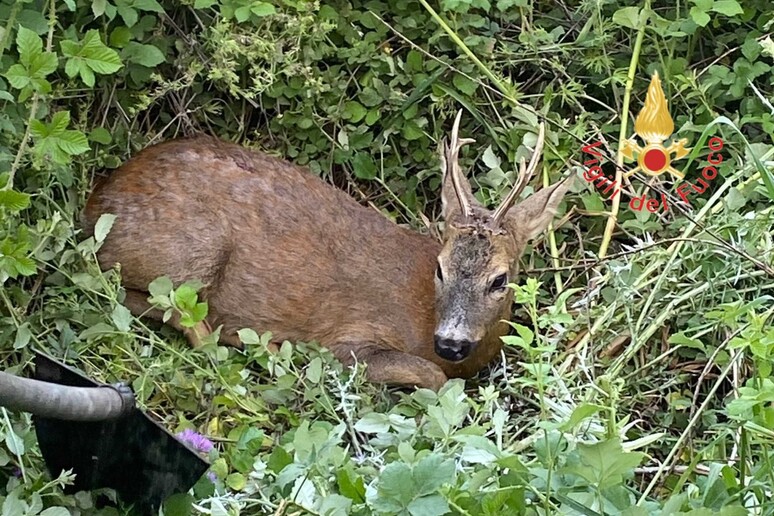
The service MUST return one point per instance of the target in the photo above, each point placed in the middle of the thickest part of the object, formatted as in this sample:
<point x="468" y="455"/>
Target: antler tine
<point x="525" y="174"/>
<point x="452" y="162"/>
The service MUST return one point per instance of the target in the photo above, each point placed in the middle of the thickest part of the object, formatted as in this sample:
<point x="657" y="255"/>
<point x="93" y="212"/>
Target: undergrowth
<point x="637" y="379"/>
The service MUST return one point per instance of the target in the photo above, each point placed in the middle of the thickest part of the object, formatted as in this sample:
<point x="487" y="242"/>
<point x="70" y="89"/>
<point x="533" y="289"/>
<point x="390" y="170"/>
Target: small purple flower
<point x="17" y="472"/>
<point x="212" y="476"/>
<point x="196" y="440"/>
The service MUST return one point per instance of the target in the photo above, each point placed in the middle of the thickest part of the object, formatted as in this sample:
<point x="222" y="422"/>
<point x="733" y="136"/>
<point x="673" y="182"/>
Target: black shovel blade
<point x="134" y="455"/>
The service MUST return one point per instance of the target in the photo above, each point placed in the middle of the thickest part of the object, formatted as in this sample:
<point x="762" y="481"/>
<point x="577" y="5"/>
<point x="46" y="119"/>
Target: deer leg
<point x="137" y="303"/>
<point x="391" y="367"/>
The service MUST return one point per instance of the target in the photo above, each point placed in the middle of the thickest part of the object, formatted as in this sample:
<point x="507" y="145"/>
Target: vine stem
<point x="22" y="145"/>
<point x="552" y="243"/>
<point x="688" y="429"/>
<point x="9" y="26"/>
<point x="458" y="41"/>
<point x="613" y="214"/>
<point x="34" y="106"/>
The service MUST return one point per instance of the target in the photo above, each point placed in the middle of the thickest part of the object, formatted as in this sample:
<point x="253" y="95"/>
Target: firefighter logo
<point x="654" y="126"/>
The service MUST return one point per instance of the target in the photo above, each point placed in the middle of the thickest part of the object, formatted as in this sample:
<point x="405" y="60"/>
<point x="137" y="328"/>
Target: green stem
<point x="688" y="429"/>
<point x="552" y="244"/>
<point x="613" y="216"/>
<point x="35" y="98"/>
<point x="453" y="35"/>
<point x="22" y="145"/>
<point x="9" y="26"/>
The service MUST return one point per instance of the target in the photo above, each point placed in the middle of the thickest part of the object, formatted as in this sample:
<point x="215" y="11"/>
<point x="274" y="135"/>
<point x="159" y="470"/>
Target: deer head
<point x="481" y="252"/>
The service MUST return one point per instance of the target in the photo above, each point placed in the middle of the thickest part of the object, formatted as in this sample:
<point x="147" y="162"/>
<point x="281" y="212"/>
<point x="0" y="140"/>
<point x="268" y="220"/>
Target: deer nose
<point x="451" y="349"/>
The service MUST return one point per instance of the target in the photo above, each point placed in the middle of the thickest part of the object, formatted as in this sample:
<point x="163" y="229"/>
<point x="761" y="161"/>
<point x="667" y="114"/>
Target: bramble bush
<point x="637" y="379"/>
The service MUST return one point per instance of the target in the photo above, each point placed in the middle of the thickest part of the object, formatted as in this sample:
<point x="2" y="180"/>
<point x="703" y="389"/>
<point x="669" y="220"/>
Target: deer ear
<point x="531" y="217"/>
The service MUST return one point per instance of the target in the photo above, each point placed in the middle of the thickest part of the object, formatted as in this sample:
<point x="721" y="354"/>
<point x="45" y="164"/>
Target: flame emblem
<point x="654" y="125"/>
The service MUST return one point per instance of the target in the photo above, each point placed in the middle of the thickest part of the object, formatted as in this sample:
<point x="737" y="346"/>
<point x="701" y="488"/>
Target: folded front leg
<point x="389" y="366"/>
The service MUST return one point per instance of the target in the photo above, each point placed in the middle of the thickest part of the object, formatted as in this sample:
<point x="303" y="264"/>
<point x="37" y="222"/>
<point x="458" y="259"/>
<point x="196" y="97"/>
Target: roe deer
<point x="280" y="250"/>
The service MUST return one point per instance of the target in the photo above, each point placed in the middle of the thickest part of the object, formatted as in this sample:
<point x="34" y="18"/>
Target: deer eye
<point x="499" y="283"/>
<point x="438" y="273"/>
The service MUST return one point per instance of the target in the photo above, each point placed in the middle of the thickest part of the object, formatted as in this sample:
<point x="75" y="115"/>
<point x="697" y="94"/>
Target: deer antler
<point x="525" y="174"/>
<point x="453" y="166"/>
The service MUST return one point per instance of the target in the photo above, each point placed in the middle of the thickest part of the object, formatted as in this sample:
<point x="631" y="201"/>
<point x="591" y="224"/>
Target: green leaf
<point x="90" y="56"/>
<point x="335" y="505"/>
<point x="185" y="296"/>
<point x="14" y="442"/>
<point x="100" y="135"/>
<point x="261" y="9"/>
<point x="434" y="505"/>
<point x="727" y="7"/>
<point x="12" y="505"/>
<point x="248" y="336"/>
<point x="767" y="46"/>
<point x="314" y="370"/>
<point x="236" y="481"/>
<point x="122" y="318"/>
<point x="98" y="7"/>
<point x="96" y="331"/>
<point x="28" y="45"/>
<point x="55" y="511"/>
<point x="353" y="111"/>
<point x="120" y="37"/>
<point x="34" y="65"/>
<point x="432" y="472"/>
<point x="14" y="201"/>
<point x="180" y="504"/>
<point x="413" y="62"/>
<point x="627" y="17"/>
<point x="603" y="464"/>
<point x="411" y="131"/>
<point x="87" y="75"/>
<point x="73" y="142"/>
<point x="34" y="19"/>
<point x="145" y="55"/>
<point x="504" y="5"/>
<point x="160" y="287"/>
<point x="364" y="166"/>
<point x="278" y="459"/>
<point x="23" y="336"/>
<point x="699" y="17"/>
<point x="465" y="85"/>
<point x="59" y="123"/>
<point x="39" y="129"/>
<point x="580" y="413"/>
<point x="103" y="226"/>
<point x="373" y="423"/>
<point x="199" y="311"/>
<point x="396" y="483"/>
<point x="148" y="5"/>
<point x="127" y="13"/>
<point x="55" y="140"/>
<point x="17" y="76"/>
<point x="43" y="64"/>
<point x="204" y="4"/>
<point x="735" y="200"/>
<point x="242" y="14"/>
<point x="682" y="340"/>
<point x="351" y="485"/>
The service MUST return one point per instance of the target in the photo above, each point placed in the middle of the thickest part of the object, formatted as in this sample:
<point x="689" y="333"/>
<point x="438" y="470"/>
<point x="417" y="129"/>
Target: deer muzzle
<point x="452" y="349"/>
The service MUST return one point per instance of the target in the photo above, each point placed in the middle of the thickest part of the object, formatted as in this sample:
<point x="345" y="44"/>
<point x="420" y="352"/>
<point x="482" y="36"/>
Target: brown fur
<point x="280" y="250"/>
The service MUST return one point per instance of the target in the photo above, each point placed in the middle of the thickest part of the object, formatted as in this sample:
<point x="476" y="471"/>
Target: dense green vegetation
<point x="638" y="380"/>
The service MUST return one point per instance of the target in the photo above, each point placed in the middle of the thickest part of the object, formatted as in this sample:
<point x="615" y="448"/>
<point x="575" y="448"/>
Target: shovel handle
<point x="65" y="402"/>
